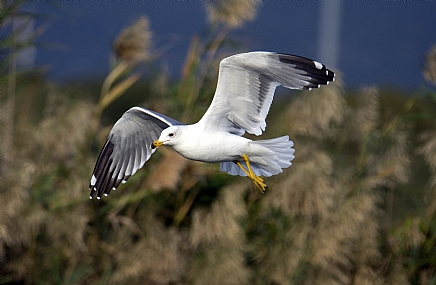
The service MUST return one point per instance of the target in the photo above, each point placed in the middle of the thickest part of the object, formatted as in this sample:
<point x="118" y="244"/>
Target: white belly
<point x="213" y="147"/>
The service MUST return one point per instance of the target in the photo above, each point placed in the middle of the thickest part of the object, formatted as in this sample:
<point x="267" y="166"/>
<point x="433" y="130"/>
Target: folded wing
<point x="127" y="148"/>
<point x="246" y="86"/>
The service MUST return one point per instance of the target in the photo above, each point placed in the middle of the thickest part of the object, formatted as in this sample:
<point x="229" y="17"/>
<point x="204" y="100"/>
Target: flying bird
<point x="243" y="96"/>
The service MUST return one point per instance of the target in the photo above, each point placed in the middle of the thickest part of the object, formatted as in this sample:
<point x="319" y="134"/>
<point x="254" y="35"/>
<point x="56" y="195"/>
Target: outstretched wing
<point x="127" y="148"/>
<point x="246" y="86"/>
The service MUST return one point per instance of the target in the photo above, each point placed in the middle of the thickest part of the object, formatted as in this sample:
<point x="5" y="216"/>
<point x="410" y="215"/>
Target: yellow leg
<point x="260" y="184"/>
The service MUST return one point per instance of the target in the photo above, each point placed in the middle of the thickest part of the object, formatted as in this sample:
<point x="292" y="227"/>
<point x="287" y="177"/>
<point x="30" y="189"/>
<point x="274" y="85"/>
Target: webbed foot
<point x="259" y="182"/>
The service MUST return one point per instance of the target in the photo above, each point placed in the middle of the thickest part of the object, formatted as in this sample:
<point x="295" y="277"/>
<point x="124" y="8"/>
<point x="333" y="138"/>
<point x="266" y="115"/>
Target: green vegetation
<point x="357" y="207"/>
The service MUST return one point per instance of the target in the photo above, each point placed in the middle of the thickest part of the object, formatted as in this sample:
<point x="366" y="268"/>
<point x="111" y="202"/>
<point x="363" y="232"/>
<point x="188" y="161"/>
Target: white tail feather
<point x="269" y="158"/>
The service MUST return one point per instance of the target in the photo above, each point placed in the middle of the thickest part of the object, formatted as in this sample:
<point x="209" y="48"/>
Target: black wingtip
<point x="318" y="71"/>
<point x="300" y="60"/>
<point x="101" y="175"/>
<point x="92" y="194"/>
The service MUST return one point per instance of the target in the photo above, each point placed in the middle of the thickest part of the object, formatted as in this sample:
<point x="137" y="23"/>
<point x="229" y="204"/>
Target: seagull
<point x="243" y="96"/>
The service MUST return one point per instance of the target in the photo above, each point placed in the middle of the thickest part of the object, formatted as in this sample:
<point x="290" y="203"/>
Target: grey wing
<point x="246" y="86"/>
<point x="127" y="148"/>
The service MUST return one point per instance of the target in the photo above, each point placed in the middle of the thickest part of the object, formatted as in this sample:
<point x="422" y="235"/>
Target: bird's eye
<point x="171" y="134"/>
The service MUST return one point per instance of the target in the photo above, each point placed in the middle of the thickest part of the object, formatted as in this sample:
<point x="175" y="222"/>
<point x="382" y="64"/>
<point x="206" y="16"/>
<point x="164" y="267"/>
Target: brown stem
<point x="204" y="68"/>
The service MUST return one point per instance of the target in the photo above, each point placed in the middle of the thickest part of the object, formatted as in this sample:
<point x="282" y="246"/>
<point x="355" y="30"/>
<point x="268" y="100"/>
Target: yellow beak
<point x="156" y="144"/>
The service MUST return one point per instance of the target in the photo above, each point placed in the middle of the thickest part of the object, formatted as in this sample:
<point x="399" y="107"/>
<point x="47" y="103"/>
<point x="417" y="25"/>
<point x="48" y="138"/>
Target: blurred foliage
<point x="357" y="207"/>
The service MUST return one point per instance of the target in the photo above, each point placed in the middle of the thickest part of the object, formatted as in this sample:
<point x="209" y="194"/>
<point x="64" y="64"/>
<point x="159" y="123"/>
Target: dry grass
<point x="218" y="240"/>
<point x="133" y="44"/>
<point x="158" y="258"/>
<point x="231" y="13"/>
<point x="429" y="71"/>
<point x="321" y="222"/>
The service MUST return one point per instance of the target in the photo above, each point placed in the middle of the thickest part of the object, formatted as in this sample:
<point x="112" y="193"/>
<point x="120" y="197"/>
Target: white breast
<point x="201" y="145"/>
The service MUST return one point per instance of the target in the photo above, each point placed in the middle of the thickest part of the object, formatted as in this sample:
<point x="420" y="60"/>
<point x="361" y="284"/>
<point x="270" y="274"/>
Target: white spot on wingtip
<point x="318" y="65"/>
<point x="93" y="179"/>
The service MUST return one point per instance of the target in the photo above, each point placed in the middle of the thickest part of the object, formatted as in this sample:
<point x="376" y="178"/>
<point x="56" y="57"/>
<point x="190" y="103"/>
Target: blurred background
<point x="358" y="206"/>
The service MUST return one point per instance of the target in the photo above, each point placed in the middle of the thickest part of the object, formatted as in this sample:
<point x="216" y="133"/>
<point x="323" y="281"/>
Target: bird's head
<point x="169" y="136"/>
